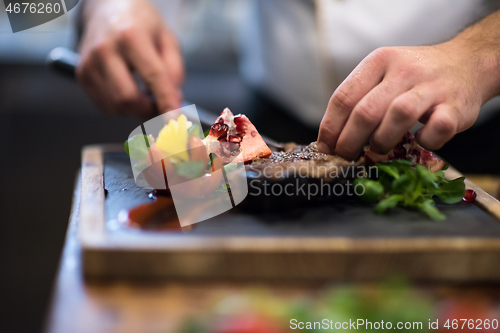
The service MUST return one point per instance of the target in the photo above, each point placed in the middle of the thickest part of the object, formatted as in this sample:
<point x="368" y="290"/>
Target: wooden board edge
<point x="92" y="224"/>
<point x="484" y="200"/>
<point x="93" y="235"/>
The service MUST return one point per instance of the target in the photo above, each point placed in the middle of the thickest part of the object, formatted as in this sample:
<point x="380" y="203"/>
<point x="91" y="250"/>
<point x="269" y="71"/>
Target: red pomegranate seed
<point x="225" y="149"/>
<point x="234" y="145"/>
<point x="241" y="128"/>
<point x="220" y="120"/>
<point x="470" y="196"/>
<point x="399" y="151"/>
<point x="238" y="120"/>
<point x="426" y="155"/>
<point x="408" y="138"/>
<point x="218" y="130"/>
<point x="222" y="139"/>
<point x="234" y="138"/>
<point x="241" y="135"/>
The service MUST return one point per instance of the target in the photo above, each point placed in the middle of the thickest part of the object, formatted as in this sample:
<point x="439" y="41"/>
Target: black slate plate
<point x="341" y="219"/>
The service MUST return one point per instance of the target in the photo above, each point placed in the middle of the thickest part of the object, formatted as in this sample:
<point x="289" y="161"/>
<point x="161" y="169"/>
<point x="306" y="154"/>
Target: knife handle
<point x="64" y="61"/>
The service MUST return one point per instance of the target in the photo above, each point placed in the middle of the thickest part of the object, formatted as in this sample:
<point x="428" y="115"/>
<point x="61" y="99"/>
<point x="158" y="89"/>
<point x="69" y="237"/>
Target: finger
<point x="364" y="78"/>
<point x="171" y="53"/>
<point x="366" y="117"/>
<point x="404" y="111"/>
<point x="142" y="54"/>
<point x="440" y="128"/>
<point x="92" y="82"/>
<point x="122" y="91"/>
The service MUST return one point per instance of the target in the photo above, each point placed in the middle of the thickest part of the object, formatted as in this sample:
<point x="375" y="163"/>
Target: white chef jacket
<point x="299" y="51"/>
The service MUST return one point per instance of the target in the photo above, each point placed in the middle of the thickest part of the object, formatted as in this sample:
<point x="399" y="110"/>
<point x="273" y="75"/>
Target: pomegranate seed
<point x="426" y="155"/>
<point x="399" y="151"/>
<point x="220" y="121"/>
<point x="222" y="139"/>
<point x="241" y="128"/>
<point x="225" y="149"/>
<point x="253" y="133"/>
<point x="241" y="135"/>
<point x="407" y="138"/>
<point x="470" y="196"/>
<point x="238" y="120"/>
<point x="234" y="138"/>
<point x="234" y="146"/>
<point x="218" y="130"/>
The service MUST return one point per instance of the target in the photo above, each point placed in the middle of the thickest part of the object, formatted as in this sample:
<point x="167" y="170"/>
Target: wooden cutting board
<point x="341" y="241"/>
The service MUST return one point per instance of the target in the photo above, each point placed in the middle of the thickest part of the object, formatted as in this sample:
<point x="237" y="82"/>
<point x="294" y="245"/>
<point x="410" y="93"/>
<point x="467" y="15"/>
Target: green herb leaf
<point x="196" y="131"/>
<point x="372" y="189"/>
<point x="439" y="177"/>
<point x="403" y="164"/>
<point x="446" y="166"/>
<point x="230" y="167"/>
<point x="427" y="177"/>
<point x="428" y="207"/>
<point x="452" y="191"/>
<point x="390" y="170"/>
<point x="137" y="146"/>
<point x="191" y="169"/>
<point x="389" y="202"/>
<point x="403" y="184"/>
<point x="206" y="133"/>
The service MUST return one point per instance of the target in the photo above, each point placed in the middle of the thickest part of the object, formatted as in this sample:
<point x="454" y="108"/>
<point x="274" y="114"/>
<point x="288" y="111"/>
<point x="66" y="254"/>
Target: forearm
<point x="479" y="45"/>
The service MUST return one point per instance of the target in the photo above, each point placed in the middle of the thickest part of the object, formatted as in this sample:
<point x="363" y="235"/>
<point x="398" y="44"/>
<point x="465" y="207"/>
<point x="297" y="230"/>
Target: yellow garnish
<point x="173" y="138"/>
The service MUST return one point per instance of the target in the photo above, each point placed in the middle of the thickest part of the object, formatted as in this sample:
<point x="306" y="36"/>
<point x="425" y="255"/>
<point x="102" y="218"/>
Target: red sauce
<point x="158" y="215"/>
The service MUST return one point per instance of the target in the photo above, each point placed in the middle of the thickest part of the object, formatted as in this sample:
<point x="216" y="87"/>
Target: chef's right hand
<point x="123" y="36"/>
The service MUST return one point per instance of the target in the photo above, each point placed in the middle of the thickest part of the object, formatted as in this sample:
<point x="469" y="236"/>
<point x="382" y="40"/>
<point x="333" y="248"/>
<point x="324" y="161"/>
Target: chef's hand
<point x="442" y="86"/>
<point x="123" y="36"/>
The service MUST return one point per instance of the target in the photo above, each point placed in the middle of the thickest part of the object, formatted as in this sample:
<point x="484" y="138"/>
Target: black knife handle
<point x="64" y="61"/>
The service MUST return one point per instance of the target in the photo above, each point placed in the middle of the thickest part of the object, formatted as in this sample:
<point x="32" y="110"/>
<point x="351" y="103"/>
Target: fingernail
<point x="324" y="148"/>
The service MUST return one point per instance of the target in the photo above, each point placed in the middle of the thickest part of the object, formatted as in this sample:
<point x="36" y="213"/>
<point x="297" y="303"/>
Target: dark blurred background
<point x="46" y="119"/>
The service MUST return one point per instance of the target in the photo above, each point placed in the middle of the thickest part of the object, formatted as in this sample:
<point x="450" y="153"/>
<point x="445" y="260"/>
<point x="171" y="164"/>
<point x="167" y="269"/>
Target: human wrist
<point x="480" y="54"/>
<point x="93" y="7"/>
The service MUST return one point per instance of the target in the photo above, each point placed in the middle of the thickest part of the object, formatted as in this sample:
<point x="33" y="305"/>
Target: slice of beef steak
<point x="297" y="177"/>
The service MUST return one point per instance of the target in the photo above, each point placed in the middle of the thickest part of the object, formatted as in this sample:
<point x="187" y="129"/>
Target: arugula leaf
<point x="191" y="169"/>
<point x="389" y="202"/>
<point x="137" y="146"/>
<point x="372" y="189"/>
<point x="452" y="191"/>
<point x="428" y="206"/>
